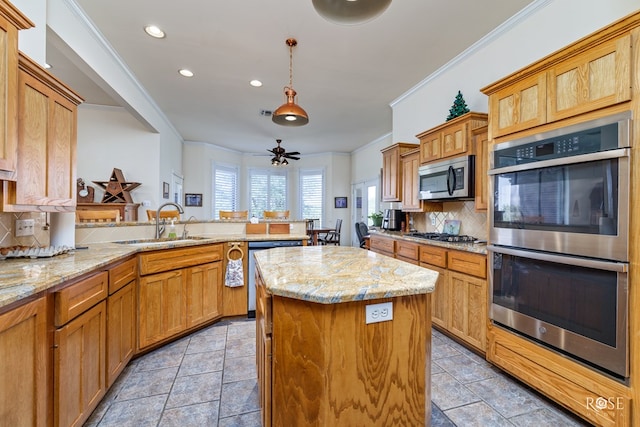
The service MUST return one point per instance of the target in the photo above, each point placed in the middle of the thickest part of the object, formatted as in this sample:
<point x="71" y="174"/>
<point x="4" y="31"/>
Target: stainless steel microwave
<point x="448" y="179"/>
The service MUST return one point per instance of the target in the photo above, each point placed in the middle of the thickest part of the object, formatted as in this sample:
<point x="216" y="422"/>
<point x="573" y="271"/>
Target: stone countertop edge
<point x="336" y="274"/>
<point x="21" y="278"/>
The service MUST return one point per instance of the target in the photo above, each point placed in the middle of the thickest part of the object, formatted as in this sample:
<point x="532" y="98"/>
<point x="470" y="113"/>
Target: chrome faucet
<point x="160" y="228"/>
<point x="185" y="232"/>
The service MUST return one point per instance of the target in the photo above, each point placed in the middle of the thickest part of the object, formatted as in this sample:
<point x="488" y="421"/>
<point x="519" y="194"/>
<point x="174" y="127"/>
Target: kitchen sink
<point x="160" y="241"/>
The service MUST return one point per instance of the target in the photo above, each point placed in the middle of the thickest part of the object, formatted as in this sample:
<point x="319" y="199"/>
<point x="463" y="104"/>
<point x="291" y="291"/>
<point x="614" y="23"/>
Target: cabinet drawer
<point x="172" y="259"/>
<point x="122" y="274"/>
<point x="79" y="297"/>
<point x="381" y="244"/>
<point x="407" y="250"/>
<point x="433" y="255"/>
<point x="468" y="263"/>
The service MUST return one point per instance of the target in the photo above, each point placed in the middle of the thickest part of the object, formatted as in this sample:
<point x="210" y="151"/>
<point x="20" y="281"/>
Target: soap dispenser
<point x="172" y="230"/>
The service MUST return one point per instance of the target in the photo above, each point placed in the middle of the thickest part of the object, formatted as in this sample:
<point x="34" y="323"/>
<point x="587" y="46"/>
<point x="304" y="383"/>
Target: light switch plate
<point x="379" y="312"/>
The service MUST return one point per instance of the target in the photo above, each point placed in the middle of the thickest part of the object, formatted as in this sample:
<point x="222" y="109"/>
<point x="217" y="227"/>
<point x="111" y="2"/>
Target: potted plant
<point x="376" y="218"/>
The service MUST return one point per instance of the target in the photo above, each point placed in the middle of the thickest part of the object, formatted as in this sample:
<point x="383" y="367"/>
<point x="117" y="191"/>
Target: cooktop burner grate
<point x="444" y="237"/>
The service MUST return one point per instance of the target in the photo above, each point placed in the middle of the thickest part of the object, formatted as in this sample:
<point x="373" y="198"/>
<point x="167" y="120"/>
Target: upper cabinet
<point x="410" y="185"/>
<point x="47" y="133"/>
<point x="11" y="21"/>
<point x="451" y="138"/>
<point x="593" y="74"/>
<point x="392" y="171"/>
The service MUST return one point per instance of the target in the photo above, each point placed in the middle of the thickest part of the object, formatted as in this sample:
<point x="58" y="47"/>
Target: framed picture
<point x="193" y="199"/>
<point x="341" y="202"/>
<point x="165" y="190"/>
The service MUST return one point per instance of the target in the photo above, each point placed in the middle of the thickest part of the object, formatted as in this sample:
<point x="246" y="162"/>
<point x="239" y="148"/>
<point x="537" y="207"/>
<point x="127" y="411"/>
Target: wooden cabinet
<point x="11" y="21"/>
<point x="407" y="251"/>
<point x="121" y="317"/>
<point x="460" y="300"/>
<point x="79" y="349"/>
<point x="235" y="300"/>
<point x="392" y="171"/>
<point x="382" y="244"/>
<point x="481" y="142"/>
<point x="26" y="365"/>
<point x="411" y="185"/>
<point x="178" y="289"/>
<point x="591" y="75"/>
<point x="264" y="329"/>
<point x="450" y="139"/>
<point x="46" y="175"/>
<point x="204" y="293"/>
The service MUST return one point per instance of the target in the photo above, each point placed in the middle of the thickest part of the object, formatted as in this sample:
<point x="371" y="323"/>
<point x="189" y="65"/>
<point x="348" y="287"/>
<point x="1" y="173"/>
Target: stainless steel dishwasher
<point x="259" y="246"/>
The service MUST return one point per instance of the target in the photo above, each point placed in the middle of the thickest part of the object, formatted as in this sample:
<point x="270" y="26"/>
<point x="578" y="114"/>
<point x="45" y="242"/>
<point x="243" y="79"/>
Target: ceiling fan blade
<point x="294" y="153"/>
<point x="291" y="157"/>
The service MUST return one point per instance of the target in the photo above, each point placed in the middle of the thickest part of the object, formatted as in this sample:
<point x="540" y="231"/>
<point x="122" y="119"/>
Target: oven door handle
<point x="563" y="161"/>
<point x="620" y="267"/>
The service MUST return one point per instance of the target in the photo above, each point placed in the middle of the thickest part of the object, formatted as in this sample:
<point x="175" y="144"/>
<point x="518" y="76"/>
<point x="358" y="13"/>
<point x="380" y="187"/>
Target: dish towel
<point x="234" y="276"/>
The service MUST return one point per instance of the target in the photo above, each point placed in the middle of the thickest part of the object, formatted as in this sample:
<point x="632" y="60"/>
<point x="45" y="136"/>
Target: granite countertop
<point x="478" y="248"/>
<point x="21" y="278"/>
<point x="335" y="274"/>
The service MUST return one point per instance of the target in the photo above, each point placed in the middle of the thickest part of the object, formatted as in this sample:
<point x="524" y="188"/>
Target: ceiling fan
<point x="281" y="155"/>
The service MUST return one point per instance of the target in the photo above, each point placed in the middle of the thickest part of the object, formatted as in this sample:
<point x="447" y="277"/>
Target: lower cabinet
<point x="26" y="362"/>
<point x="382" y="245"/>
<point x="79" y="366"/>
<point x="162" y="312"/>
<point x="460" y="300"/>
<point x="178" y="289"/>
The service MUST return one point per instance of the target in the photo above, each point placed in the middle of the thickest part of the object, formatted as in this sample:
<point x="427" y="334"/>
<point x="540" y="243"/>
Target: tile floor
<point x="209" y="379"/>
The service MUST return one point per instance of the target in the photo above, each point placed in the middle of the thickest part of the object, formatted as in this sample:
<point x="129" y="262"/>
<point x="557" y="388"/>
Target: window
<point x="225" y="189"/>
<point x="267" y="191"/>
<point x="311" y="194"/>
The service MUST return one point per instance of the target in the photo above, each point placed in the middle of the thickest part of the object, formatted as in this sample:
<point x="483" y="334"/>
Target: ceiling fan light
<point x="349" y="12"/>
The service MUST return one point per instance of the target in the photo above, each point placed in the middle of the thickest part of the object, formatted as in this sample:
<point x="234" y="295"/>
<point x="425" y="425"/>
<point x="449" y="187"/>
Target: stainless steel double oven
<point x="559" y="244"/>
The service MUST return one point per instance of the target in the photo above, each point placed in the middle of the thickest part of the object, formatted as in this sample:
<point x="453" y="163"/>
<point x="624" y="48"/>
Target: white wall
<point x="110" y="137"/>
<point x="543" y="28"/>
<point x="33" y="41"/>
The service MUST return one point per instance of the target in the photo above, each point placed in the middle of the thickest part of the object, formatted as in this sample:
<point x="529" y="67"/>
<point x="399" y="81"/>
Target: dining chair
<point x="234" y="214"/>
<point x="167" y="214"/>
<point x="332" y="237"/>
<point x="108" y="215"/>
<point x="275" y="214"/>
<point x="362" y="231"/>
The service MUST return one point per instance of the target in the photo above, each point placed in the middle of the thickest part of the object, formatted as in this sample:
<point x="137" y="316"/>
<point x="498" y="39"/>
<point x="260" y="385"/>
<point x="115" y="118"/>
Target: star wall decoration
<point x="116" y="190"/>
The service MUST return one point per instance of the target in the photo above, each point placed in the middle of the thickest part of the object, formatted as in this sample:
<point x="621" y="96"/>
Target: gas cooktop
<point x="444" y="237"/>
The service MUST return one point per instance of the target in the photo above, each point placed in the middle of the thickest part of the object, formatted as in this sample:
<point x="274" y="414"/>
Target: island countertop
<point x="335" y="274"/>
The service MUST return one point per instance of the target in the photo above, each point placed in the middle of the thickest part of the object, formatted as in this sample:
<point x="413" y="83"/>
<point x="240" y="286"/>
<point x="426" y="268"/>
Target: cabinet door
<point x="79" y="366"/>
<point x="454" y="139"/>
<point x="468" y="309"/>
<point x="24" y="351"/>
<point x="204" y="293"/>
<point x="430" y="147"/>
<point x="481" y="141"/>
<point x="163" y="307"/>
<point x="46" y="150"/>
<point x="519" y="106"/>
<point x="440" y="297"/>
<point x="595" y="79"/>
<point x="382" y="245"/>
<point x="392" y="176"/>
<point x="121" y="330"/>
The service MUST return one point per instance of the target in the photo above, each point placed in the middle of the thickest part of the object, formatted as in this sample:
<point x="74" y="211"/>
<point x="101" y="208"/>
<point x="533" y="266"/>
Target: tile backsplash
<point x="473" y="223"/>
<point x="7" y="225"/>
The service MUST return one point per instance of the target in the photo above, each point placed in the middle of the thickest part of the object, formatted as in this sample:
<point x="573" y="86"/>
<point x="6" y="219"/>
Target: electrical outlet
<point x="25" y="227"/>
<point x="379" y="312"/>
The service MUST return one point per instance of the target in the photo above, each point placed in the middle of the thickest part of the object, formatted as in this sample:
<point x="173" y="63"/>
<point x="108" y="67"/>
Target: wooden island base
<point x="332" y="369"/>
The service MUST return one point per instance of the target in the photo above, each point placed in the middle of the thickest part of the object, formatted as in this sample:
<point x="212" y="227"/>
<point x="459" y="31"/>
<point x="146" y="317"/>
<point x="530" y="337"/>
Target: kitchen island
<point x="321" y="361"/>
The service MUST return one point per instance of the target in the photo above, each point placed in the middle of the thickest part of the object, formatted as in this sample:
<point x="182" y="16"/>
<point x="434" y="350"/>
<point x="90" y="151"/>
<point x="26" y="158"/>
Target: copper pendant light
<point x="350" y="12"/>
<point x="290" y="113"/>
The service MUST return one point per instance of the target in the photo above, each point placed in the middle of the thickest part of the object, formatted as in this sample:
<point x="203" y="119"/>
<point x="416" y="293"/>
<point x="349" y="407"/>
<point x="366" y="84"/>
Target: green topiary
<point x="458" y="108"/>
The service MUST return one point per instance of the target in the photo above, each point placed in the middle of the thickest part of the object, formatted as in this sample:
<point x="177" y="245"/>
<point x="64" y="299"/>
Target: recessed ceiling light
<point x="255" y="83"/>
<point x="47" y="66"/>
<point x="154" y="31"/>
<point x="186" y="73"/>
